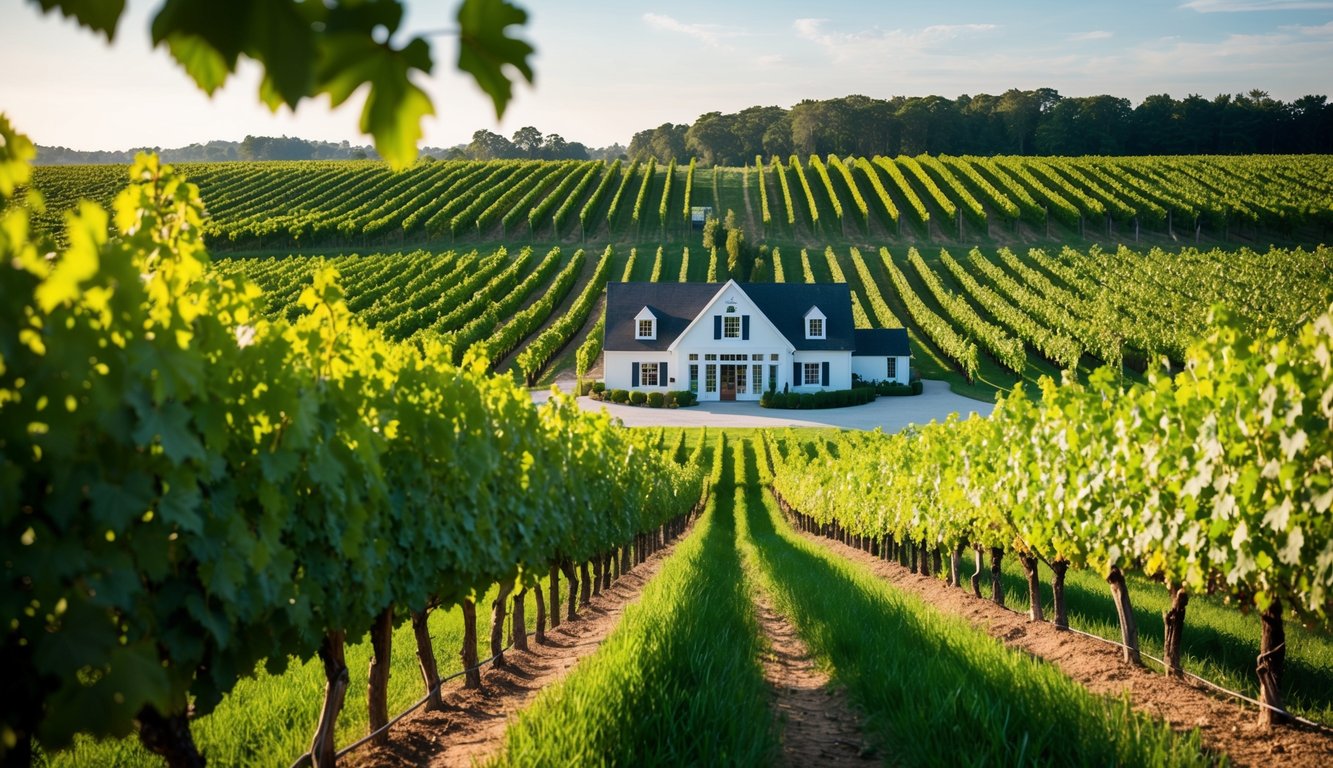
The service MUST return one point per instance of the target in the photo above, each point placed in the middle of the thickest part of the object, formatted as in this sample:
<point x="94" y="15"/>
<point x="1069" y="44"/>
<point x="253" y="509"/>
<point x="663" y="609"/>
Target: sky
<point x="605" y="69"/>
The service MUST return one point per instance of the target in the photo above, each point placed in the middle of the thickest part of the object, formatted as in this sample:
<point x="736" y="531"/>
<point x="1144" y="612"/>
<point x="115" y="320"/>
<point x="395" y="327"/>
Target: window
<point x="710" y="378"/>
<point x="645" y="324"/>
<point x="648" y="374"/>
<point x="893" y="367"/>
<point x="756" y="357"/>
<point x="758" y="377"/>
<point x="773" y="357"/>
<point x="694" y="376"/>
<point x="810" y="375"/>
<point x="646" y="330"/>
<point x="815" y="328"/>
<point x="710" y="357"/>
<point x="731" y="327"/>
<point x="773" y="377"/>
<point x="694" y="355"/>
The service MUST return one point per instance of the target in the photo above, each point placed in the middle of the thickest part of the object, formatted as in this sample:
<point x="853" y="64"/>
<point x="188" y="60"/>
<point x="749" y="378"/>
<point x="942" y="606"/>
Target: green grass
<point x="269" y="719"/>
<point x="678" y="682"/>
<point x="1219" y="644"/>
<point x="933" y="690"/>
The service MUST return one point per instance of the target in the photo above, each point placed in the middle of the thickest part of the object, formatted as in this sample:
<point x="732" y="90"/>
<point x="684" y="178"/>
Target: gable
<point x="787" y="304"/>
<point x="677" y="306"/>
<point x="731" y="301"/>
<point x="674" y="305"/>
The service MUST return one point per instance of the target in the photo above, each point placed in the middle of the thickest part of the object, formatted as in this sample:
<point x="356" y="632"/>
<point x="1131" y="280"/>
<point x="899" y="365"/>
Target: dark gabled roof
<point x="677" y="304"/>
<point x="674" y="304"/>
<point x="785" y="305"/>
<point x="881" y="342"/>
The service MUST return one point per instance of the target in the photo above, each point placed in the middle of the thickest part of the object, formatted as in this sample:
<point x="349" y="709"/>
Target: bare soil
<point x="818" y="725"/>
<point x="470" y="729"/>
<point x="1225" y="725"/>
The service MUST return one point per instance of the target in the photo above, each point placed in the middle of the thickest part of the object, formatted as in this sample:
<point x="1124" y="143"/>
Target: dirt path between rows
<point x="1225" y="725"/>
<point x="818" y="725"/>
<point x="470" y="729"/>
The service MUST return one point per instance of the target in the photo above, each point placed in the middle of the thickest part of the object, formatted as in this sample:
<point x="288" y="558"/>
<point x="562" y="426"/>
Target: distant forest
<point x="1039" y="122"/>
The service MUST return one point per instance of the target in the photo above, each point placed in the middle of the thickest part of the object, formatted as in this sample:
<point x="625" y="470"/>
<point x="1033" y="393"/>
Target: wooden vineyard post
<point x="1058" y="569"/>
<point x="430" y="673"/>
<point x="518" y="624"/>
<point x="168" y="736"/>
<point x="1034" y="586"/>
<point x="571" y="574"/>
<point x="956" y="565"/>
<point x="499" y="607"/>
<point x="468" y="654"/>
<point x="554" y="588"/>
<point x="1272" y="660"/>
<point x="1129" y="633"/>
<point x="323" y="752"/>
<point x="996" y="584"/>
<point x="377" y="690"/>
<point x="976" y="575"/>
<point x="1173" y="621"/>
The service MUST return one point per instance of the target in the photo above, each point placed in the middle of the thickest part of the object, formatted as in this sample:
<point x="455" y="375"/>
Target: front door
<point x="728" y="389"/>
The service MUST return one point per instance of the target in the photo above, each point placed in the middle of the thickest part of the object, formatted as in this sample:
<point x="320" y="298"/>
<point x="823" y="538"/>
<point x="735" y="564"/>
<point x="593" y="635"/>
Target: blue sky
<point x="606" y="69"/>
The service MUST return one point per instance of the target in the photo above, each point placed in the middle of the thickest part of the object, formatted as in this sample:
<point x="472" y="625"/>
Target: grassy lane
<point x="679" y="681"/>
<point x="933" y="690"/>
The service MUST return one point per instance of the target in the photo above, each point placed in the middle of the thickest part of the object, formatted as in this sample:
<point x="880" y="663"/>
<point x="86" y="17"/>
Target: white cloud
<point x="709" y="34"/>
<point x="848" y="46"/>
<point x="1096" y="34"/>
<point x="1241" y="6"/>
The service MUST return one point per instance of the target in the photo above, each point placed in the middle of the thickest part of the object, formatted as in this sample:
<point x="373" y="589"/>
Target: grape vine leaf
<point x="484" y="49"/>
<point x="97" y="15"/>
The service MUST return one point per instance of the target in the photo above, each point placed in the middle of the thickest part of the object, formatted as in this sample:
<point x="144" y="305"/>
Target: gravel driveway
<point x="888" y="413"/>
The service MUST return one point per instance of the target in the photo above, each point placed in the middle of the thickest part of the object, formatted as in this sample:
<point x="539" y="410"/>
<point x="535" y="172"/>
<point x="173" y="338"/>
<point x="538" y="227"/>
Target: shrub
<point x="918" y="387"/>
<point x="637" y="398"/>
<point x="619" y="396"/>
<point x="599" y="387"/>
<point x="766" y="400"/>
<point x="656" y="399"/>
<point x="685" y="398"/>
<point x="807" y="401"/>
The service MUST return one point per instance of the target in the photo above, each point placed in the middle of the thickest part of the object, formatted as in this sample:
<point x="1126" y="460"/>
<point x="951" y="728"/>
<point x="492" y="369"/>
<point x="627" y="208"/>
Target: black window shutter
<point x="796" y="374"/>
<point x="745" y="327"/>
<point x="823" y="374"/>
<point x="662" y="379"/>
<point x="634" y="375"/>
<point x="717" y="326"/>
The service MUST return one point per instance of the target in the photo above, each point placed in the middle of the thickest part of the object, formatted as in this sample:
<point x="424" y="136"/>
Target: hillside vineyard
<point x="360" y="204"/>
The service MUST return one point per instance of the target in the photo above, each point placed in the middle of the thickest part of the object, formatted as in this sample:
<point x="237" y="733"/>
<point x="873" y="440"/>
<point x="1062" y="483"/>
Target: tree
<point x="330" y="48"/>
<point x="528" y="141"/>
<point x="489" y="145"/>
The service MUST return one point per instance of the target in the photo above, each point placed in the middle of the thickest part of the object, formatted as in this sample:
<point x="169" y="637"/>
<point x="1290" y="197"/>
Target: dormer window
<point x="645" y="325"/>
<point x="814" y="324"/>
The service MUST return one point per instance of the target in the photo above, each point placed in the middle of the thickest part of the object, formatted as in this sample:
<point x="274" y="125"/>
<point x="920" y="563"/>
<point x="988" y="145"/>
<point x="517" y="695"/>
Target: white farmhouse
<point x="733" y="341"/>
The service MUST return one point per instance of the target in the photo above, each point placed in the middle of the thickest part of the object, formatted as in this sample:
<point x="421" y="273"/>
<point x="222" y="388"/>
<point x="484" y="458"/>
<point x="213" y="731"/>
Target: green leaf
<point x="201" y="61"/>
<point x="170" y="424"/>
<point x="283" y="39"/>
<point x="484" y="49"/>
<point x="394" y="108"/>
<point x="97" y="15"/>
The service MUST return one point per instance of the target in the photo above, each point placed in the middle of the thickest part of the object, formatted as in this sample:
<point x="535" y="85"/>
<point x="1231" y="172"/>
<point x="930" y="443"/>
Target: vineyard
<point x="229" y="485"/>
<point x="924" y="199"/>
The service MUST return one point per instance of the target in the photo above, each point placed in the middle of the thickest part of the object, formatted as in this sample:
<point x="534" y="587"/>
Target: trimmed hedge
<point x="834" y="398"/>
<point x="673" y="399"/>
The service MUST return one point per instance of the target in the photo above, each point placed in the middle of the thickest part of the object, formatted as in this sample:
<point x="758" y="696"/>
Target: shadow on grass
<point x="934" y="691"/>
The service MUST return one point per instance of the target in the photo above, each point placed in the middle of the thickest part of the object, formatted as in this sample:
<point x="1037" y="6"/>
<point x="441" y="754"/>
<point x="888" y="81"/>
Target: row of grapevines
<point x="860" y="202"/>
<point x="665" y="204"/>
<point x="904" y="188"/>
<point x="620" y="192"/>
<point x="496" y="345"/>
<point x="957" y="348"/>
<point x="822" y="172"/>
<point x="786" y="190"/>
<point x="1057" y="347"/>
<point x="764" y="213"/>
<point x="595" y="199"/>
<point x="805" y="187"/>
<point x="483" y="326"/>
<point x="883" y="315"/>
<point x="567" y="194"/>
<point x="266" y="489"/>
<point x="1233" y="495"/>
<point x="689" y="191"/>
<point x="540" y="350"/>
<point x="863" y="165"/>
<point x="1007" y="350"/>
<point x="643" y="189"/>
<point x="932" y="189"/>
<point x="970" y="204"/>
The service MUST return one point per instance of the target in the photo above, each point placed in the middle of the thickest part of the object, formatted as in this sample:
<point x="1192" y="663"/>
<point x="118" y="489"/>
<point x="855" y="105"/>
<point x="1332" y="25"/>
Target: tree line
<point x="1016" y="122"/>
